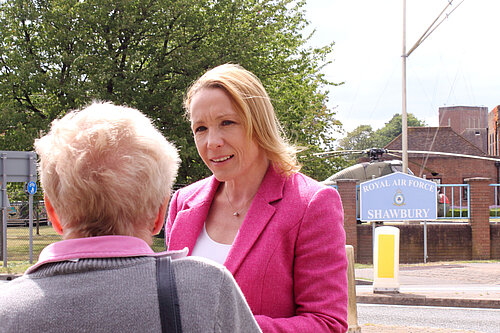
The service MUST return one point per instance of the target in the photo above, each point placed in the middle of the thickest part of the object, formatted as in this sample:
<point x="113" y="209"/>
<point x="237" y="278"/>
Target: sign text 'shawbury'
<point x="398" y="214"/>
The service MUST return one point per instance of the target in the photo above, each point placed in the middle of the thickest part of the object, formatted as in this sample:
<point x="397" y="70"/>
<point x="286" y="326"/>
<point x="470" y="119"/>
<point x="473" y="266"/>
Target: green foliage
<point x="359" y="139"/>
<point x="363" y="137"/>
<point x="15" y="191"/>
<point x="393" y="128"/>
<point x="58" y="55"/>
<point x="495" y="212"/>
<point x="457" y="212"/>
<point x="321" y="168"/>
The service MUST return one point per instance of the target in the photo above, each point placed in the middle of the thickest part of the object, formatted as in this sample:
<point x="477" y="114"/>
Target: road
<point x="481" y="320"/>
<point x="437" y="288"/>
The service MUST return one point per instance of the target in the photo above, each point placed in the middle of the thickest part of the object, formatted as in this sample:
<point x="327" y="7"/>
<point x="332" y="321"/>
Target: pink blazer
<point x="288" y="256"/>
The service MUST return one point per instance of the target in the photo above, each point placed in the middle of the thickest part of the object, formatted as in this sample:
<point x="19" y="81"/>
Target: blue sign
<point x="31" y="188"/>
<point x="398" y="197"/>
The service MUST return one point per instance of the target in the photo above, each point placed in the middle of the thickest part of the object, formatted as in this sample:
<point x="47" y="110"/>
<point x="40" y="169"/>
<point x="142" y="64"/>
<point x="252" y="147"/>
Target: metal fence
<point x="454" y="202"/>
<point x="495" y="208"/>
<point x="18" y="231"/>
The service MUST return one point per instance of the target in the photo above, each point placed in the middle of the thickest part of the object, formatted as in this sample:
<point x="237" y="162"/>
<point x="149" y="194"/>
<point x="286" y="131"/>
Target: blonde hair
<point x="106" y="170"/>
<point x="254" y="106"/>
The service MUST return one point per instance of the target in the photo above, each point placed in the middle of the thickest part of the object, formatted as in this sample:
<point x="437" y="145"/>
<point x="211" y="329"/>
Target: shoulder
<point x="212" y="279"/>
<point x="209" y="297"/>
<point x="20" y="291"/>
<point x="307" y="188"/>
<point x="202" y="282"/>
<point x="299" y="179"/>
<point x="187" y="266"/>
<point x="195" y="188"/>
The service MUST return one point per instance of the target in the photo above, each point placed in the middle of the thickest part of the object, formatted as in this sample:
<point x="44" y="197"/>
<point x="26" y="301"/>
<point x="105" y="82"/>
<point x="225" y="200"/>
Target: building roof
<point x="439" y="139"/>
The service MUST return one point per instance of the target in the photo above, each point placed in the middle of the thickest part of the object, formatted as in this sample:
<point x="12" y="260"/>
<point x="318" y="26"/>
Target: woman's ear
<point x="51" y="213"/>
<point x="160" y="218"/>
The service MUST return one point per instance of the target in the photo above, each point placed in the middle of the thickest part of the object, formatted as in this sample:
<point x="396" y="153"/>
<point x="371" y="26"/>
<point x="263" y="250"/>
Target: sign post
<point x="15" y="166"/>
<point x="31" y="190"/>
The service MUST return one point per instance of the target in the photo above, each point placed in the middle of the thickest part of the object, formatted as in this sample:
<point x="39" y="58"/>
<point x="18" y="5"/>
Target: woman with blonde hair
<point x="279" y="232"/>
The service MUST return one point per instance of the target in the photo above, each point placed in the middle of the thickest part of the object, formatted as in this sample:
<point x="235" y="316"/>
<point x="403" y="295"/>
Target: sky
<point x="458" y="64"/>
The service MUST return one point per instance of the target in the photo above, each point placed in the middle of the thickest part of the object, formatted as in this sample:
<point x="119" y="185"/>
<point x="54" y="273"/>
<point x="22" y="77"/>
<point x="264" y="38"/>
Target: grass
<point x="18" y="242"/>
<point x="18" y="247"/>
<point x="158" y="244"/>
<point x="15" y="267"/>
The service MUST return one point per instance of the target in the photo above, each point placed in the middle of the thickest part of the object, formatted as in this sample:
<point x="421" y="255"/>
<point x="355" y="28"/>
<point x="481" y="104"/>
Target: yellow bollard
<point x="386" y="260"/>
<point x="352" y="309"/>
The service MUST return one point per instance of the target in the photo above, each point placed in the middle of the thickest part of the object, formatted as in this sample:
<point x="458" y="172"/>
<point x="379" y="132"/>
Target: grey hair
<point x="106" y="170"/>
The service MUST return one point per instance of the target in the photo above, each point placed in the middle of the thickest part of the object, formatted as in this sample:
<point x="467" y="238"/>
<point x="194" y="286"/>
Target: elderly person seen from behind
<point x="107" y="174"/>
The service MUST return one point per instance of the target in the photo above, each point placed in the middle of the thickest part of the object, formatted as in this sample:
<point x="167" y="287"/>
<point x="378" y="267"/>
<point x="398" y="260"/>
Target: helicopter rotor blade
<point x="339" y="152"/>
<point x="444" y="154"/>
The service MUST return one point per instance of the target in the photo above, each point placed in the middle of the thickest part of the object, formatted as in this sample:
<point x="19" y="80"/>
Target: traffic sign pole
<point x="32" y="190"/>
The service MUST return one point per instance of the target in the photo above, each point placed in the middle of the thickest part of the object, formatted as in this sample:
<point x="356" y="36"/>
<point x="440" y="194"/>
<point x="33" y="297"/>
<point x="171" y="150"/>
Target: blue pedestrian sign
<point x="31" y="188"/>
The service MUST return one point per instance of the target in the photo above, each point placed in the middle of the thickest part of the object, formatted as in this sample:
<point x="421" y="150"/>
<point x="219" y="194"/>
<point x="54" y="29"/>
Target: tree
<point x="58" y="55"/>
<point x="359" y="139"/>
<point x="393" y="128"/>
<point x="363" y="137"/>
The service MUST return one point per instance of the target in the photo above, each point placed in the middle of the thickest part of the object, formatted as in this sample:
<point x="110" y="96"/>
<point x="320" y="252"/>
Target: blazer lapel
<point x="189" y="221"/>
<point x="258" y="216"/>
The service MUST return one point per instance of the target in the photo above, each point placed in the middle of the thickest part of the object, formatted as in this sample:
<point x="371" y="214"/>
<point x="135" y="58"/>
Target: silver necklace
<point x="236" y="211"/>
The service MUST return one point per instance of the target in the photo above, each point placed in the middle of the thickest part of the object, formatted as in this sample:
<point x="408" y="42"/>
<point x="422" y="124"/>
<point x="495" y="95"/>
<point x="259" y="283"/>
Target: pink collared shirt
<point x="99" y="247"/>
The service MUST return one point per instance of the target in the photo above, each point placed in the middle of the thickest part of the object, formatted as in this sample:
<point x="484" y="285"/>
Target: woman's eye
<point x="227" y="122"/>
<point x="200" y="129"/>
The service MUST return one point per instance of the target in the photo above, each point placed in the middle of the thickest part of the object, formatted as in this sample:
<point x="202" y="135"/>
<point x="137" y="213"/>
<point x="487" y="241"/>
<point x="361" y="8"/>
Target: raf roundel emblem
<point x="399" y="199"/>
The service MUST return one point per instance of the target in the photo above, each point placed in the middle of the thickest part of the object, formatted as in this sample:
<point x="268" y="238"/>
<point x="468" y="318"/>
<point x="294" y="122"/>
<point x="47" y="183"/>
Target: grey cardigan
<point x="120" y="295"/>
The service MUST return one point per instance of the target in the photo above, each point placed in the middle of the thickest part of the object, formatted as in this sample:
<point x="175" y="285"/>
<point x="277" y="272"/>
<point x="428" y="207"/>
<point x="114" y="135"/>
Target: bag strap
<point x="167" y="296"/>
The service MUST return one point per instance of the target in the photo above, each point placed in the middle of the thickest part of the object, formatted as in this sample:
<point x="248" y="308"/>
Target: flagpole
<point x="404" y="117"/>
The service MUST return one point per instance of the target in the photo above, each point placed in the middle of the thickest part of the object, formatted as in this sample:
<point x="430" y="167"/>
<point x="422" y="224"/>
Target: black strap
<point x="167" y="296"/>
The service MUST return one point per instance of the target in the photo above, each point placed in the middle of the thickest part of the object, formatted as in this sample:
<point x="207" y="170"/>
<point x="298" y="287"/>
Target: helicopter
<point x="366" y="170"/>
<point x="376" y="167"/>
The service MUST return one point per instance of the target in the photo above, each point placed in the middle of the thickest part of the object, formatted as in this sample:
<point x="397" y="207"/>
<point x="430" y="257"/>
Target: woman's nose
<point x="214" y="139"/>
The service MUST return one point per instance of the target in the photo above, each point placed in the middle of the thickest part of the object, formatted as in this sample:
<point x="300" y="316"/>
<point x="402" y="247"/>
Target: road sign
<point x="398" y="197"/>
<point x="31" y="188"/>
<point x="17" y="166"/>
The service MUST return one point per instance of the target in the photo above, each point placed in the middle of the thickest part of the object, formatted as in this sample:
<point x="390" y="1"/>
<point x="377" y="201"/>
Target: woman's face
<point x="220" y="137"/>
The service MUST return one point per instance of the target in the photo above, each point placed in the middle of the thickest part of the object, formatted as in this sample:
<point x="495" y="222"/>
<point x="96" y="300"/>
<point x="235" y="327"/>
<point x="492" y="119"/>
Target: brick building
<point x="493" y="132"/>
<point x="445" y="169"/>
<point x="471" y="122"/>
<point x="461" y="118"/>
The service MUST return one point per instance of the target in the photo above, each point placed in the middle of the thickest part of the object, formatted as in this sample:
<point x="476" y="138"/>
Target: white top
<point x="208" y="248"/>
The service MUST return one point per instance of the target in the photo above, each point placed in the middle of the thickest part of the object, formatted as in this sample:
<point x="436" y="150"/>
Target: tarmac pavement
<point x="453" y="284"/>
